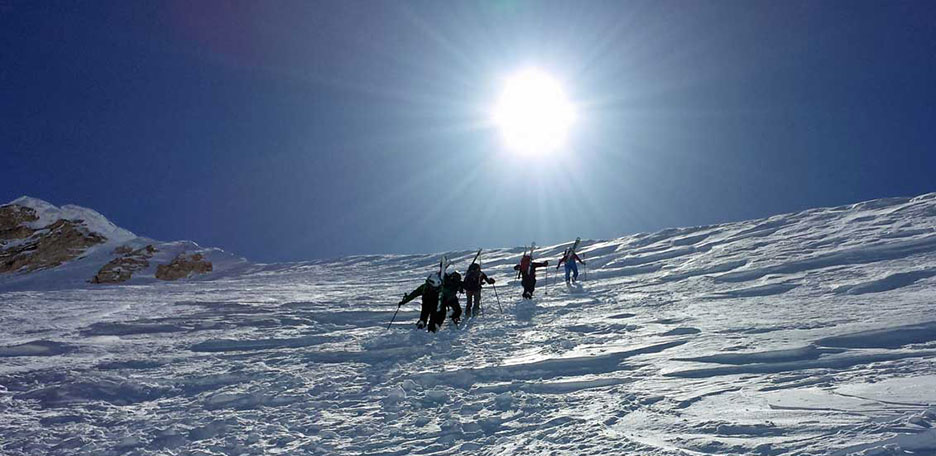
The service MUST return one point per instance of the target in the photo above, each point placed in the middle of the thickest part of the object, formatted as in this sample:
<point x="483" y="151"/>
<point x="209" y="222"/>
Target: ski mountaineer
<point x="472" y="285"/>
<point x="430" y="299"/>
<point x="527" y="268"/>
<point x="571" y="268"/>
<point x="451" y="286"/>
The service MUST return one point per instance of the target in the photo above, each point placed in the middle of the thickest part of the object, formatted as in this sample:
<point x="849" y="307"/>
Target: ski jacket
<point x="532" y="269"/>
<point x="571" y="257"/>
<point x="429" y="294"/>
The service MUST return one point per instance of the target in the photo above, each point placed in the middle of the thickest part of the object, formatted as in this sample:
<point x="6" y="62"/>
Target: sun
<point x="533" y="113"/>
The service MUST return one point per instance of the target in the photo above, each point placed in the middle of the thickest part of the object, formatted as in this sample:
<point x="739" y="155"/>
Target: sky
<point x="297" y="130"/>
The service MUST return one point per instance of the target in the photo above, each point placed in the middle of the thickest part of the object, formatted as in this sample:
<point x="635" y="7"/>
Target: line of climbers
<point x="434" y="308"/>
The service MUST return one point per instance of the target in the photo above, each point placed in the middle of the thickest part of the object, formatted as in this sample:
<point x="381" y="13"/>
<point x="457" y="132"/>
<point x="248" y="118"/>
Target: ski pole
<point x="546" y="293"/>
<point x="585" y="265"/>
<point x="394" y="318"/>
<point x="498" y="298"/>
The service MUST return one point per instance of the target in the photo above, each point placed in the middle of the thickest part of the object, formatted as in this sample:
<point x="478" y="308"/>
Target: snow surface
<point x="807" y="333"/>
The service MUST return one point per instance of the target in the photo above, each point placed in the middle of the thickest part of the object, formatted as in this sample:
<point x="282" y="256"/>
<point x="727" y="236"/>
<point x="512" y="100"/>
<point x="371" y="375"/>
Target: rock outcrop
<point x="182" y="266"/>
<point x="13" y="222"/>
<point x="128" y="261"/>
<point x="43" y="246"/>
<point x="24" y="248"/>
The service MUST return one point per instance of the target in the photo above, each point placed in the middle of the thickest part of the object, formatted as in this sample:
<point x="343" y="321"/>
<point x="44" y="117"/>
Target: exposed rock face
<point x="126" y="250"/>
<point x="129" y="261"/>
<point x="13" y="220"/>
<point x="24" y="249"/>
<point x="183" y="266"/>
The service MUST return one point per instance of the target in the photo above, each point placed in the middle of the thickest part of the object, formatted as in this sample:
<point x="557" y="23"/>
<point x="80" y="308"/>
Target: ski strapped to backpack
<point x="469" y="276"/>
<point x="526" y="262"/>
<point x="443" y="263"/>
<point x="575" y="245"/>
<point x="475" y="260"/>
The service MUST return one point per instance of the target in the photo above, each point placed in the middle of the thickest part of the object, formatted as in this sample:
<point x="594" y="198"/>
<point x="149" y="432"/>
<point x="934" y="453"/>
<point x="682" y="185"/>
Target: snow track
<point x="807" y="333"/>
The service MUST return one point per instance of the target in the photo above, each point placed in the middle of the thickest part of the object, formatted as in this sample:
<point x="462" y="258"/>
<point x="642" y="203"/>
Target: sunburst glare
<point x="533" y="113"/>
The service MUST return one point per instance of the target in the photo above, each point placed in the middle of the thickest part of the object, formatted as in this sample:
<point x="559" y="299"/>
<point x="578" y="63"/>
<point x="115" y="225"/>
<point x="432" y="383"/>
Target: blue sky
<point x="301" y="130"/>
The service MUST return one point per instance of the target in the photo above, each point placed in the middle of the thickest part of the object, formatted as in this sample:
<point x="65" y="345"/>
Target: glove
<point x="546" y="263"/>
<point x="490" y="281"/>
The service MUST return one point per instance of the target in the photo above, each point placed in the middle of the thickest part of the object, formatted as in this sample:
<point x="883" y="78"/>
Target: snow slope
<point x="807" y="333"/>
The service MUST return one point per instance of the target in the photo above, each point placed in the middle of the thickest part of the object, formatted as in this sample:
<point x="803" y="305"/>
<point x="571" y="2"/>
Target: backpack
<point x="525" y="264"/>
<point x="452" y="281"/>
<point x="473" y="277"/>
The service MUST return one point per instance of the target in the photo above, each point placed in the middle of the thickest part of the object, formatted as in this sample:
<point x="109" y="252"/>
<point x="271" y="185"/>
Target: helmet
<point x="434" y="280"/>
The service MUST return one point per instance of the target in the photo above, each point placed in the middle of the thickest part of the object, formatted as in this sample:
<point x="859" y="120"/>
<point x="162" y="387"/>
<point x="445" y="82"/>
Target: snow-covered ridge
<point x="93" y="220"/>
<point x="92" y="249"/>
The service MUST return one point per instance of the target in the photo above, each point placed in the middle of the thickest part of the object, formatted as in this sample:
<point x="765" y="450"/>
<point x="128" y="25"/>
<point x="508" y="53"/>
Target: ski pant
<point x="438" y="315"/>
<point x="529" y="284"/>
<point x="571" y="268"/>
<point x="428" y="307"/>
<point x="473" y="306"/>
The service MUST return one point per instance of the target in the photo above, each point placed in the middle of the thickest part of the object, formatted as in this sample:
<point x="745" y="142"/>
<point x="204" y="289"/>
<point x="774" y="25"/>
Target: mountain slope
<point x="805" y="333"/>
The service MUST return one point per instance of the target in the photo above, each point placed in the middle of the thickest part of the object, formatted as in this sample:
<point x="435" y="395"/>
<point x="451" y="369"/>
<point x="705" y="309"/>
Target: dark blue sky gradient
<point x="300" y="130"/>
